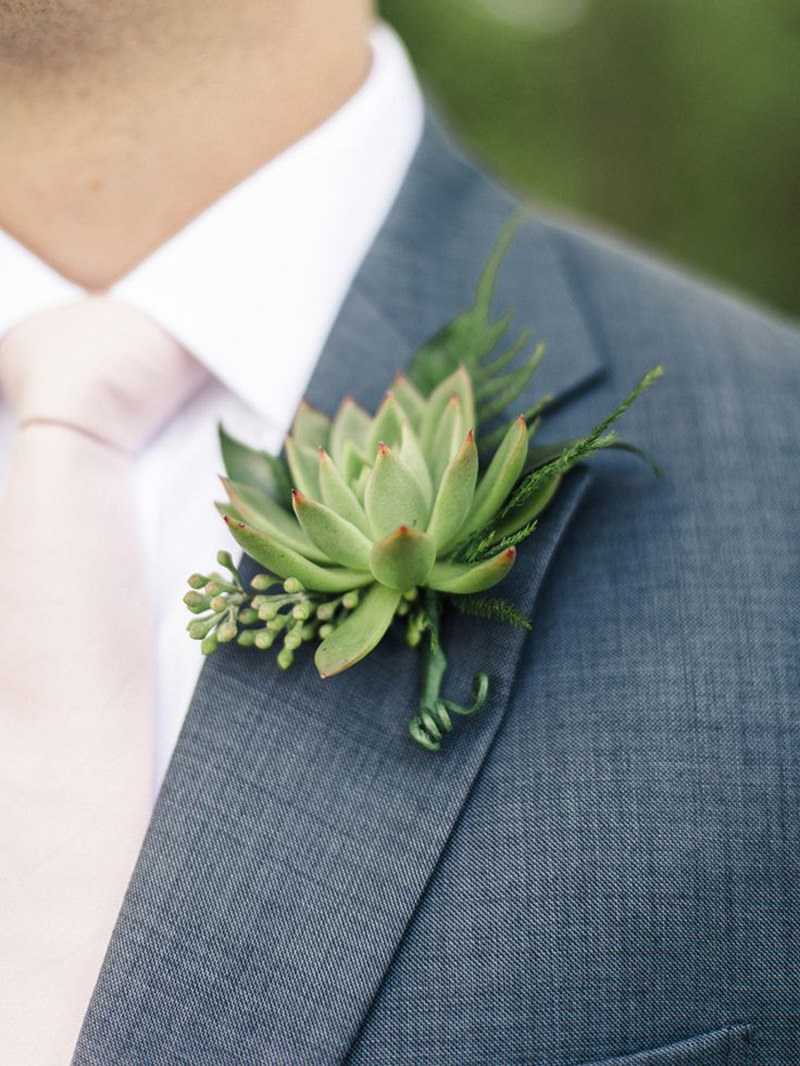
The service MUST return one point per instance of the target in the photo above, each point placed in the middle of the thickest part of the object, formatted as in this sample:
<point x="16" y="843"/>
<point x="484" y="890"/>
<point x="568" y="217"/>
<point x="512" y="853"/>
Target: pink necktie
<point x="90" y="384"/>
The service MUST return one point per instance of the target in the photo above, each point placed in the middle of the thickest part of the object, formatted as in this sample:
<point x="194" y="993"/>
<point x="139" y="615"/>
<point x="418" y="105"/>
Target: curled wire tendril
<point x="433" y="721"/>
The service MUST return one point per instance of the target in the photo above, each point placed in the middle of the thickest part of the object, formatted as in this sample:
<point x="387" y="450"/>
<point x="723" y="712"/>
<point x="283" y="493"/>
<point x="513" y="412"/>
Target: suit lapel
<point x="298" y="825"/>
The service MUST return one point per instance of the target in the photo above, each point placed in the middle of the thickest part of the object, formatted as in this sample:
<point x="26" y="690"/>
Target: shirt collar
<point x="251" y="287"/>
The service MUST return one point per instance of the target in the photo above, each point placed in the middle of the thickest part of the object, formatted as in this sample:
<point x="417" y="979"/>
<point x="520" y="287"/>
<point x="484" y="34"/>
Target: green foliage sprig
<point x="365" y="520"/>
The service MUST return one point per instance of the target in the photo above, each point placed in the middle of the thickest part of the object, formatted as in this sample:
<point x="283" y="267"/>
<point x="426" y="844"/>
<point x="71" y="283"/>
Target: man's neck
<point x="109" y="161"/>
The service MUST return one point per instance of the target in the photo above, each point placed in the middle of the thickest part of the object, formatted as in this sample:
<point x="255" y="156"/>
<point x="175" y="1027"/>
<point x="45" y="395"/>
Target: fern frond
<point x="488" y="279"/>
<point x="471" y="336"/>
<point x="503" y="390"/>
<point x="491" y="544"/>
<point x="511" y="540"/>
<point x="599" y="438"/>
<point x="491" y="607"/>
<point x="487" y="371"/>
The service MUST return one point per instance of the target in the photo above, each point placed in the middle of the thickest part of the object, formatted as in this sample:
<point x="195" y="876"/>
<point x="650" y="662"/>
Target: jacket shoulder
<point x="630" y="295"/>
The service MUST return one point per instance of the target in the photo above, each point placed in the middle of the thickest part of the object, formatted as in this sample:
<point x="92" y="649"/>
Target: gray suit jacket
<point x="602" y="866"/>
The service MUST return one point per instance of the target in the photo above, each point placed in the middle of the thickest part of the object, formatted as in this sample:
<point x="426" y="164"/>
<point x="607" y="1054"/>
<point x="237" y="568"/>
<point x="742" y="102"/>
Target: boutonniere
<point x="370" y="520"/>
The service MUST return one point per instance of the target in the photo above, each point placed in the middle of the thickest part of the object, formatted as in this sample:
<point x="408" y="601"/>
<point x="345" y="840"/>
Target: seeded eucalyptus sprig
<point x="270" y="611"/>
<point x="367" y="519"/>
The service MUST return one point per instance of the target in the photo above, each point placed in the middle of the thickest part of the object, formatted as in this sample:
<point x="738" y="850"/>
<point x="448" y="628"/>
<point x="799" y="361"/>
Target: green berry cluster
<point x="271" y="610"/>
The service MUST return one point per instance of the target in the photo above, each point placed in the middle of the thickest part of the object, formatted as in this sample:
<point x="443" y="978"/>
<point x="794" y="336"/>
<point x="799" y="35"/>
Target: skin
<point x="125" y="120"/>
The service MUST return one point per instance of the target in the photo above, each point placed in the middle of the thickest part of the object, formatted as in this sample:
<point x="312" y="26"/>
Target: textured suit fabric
<point x="602" y="866"/>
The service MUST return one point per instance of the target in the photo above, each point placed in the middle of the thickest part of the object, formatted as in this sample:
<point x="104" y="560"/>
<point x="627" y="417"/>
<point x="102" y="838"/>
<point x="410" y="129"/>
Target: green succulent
<point x="366" y="519"/>
<point x="383" y="504"/>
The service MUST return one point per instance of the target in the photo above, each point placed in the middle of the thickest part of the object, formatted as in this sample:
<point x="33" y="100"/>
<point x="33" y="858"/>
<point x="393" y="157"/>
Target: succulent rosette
<point x="382" y="505"/>
<point x="369" y="518"/>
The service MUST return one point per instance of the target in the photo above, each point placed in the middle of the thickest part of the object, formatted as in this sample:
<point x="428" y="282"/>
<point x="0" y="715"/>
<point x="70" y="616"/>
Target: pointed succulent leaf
<point x="499" y="479"/>
<point x="338" y="495"/>
<point x="520" y="516"/>
<point x="447" y="439"/>
<point x="350" y="423"/>
<point x="359" y="633"/>
<point x="403" y="559"/>
<point x="410" y="399"/>
<point x="303" y="466"/>
<point x="455" y="495"/>
<point x="392" y="496"/>
<point x="353" y="462"/>
<point x="411" y="454"/>
<point x="467" y="578"/>
<point x="532" y="415"/>
<point x="339" y="539"/>
<point x="311" y="427"/>
<point x="386" y="425"/>
<point x="458" y="382"/>
<point x="285" y="562"/>
<point x="264" y="513"/>
<point x="251" y="467"/>
<point x="360" y="485"/>
<point x="227" y="511"/>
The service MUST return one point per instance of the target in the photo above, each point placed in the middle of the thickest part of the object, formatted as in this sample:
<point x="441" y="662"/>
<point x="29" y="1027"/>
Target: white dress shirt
<point x="251" y="288"/>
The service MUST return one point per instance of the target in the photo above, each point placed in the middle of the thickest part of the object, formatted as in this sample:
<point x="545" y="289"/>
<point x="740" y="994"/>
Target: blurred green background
<point x="675" y="122"/>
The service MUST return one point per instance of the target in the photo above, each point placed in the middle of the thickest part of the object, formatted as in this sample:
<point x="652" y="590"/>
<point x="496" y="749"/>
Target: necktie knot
<point x="99" y="366"/>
